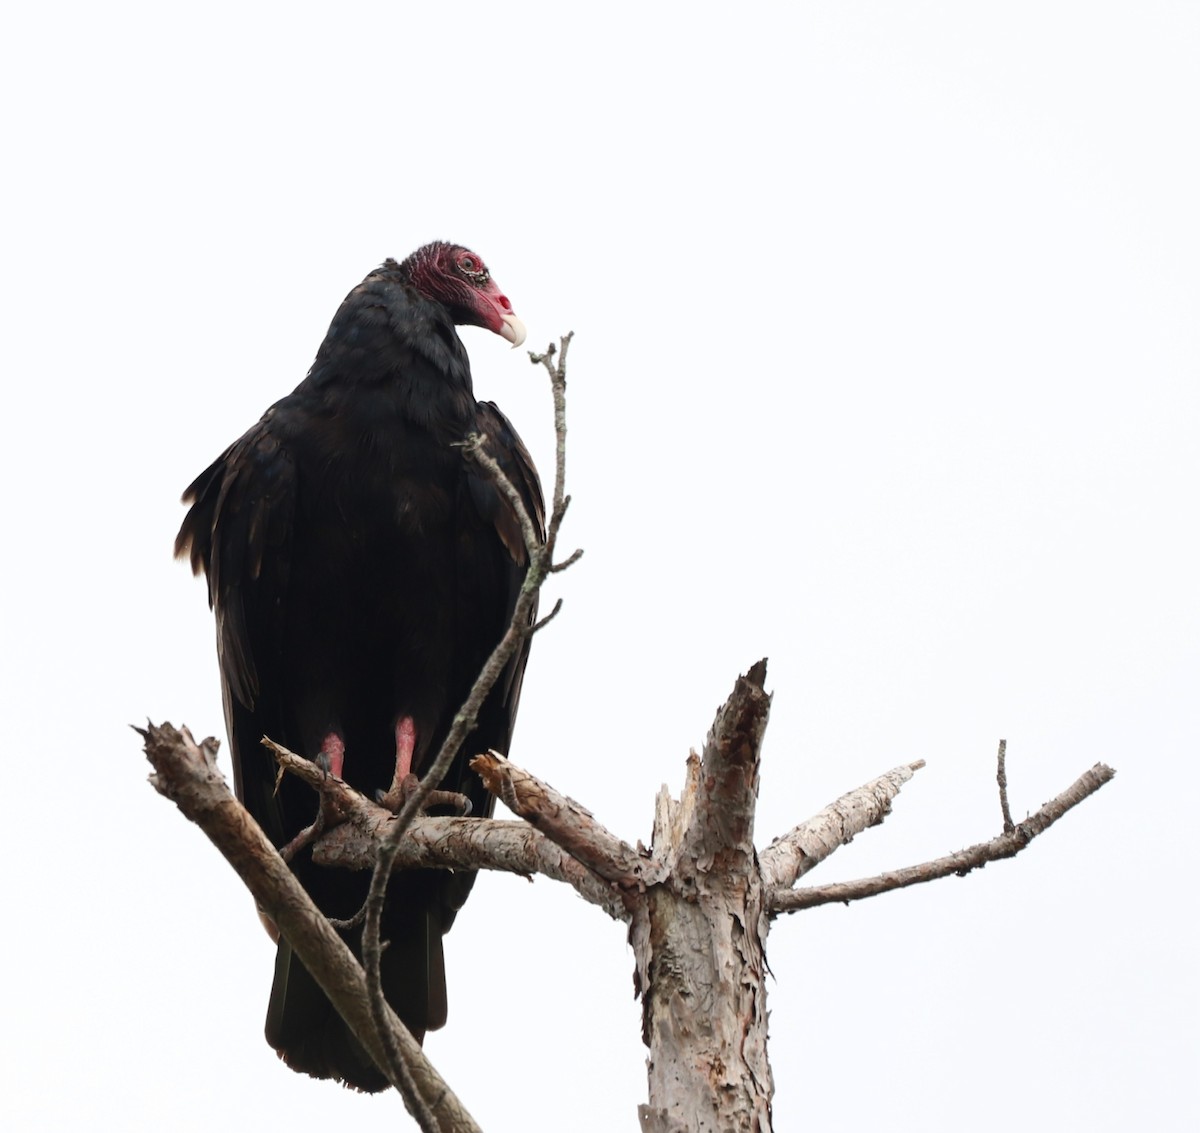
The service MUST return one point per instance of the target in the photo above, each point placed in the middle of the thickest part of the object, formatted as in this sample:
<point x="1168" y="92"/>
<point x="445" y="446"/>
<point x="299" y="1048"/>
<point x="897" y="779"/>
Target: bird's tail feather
<point x="310" y="1036"/>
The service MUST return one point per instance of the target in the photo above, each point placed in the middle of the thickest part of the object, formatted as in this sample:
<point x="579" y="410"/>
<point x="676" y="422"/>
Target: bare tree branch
<point x="1002" y="780"/>
<point x="807" y="845"/>
<point x="563" y="821"/>
<point x="699" y="904"/>
<point x="558" y="385"/>
<point x="542" y="623"/>
<point x="356" y="826"/>
<point x="186" y="773"/>
<point x="1004" y="845"/>
<point x="541" y="559"/>
<point x="569" y="561"/>
<point x="475" y="448"/>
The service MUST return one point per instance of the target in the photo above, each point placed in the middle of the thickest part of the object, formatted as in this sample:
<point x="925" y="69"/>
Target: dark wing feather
<point x="507" y="449"/>
<point x="238" y="532"/>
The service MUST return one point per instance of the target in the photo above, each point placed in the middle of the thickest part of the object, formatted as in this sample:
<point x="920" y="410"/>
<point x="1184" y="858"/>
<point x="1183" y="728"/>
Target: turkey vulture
<point x="361" y="571"/>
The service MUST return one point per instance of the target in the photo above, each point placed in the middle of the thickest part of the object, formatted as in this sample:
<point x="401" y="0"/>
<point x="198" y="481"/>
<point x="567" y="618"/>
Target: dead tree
<point x="699" y="902"/>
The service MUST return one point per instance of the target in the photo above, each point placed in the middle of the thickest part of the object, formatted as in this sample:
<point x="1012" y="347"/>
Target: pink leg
<point x="404" y="782"/>
<point x="331" y="758"/>
<point x="406" y="744"/>
<point x="333" y="748"/>
<point x="403" y="779"/>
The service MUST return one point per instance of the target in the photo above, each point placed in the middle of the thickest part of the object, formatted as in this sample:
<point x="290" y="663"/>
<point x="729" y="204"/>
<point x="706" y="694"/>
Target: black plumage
<point x="361" y="572"/>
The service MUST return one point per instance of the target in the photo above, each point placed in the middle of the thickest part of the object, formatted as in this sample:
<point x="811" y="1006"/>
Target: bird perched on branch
<point x="361" y="571"/>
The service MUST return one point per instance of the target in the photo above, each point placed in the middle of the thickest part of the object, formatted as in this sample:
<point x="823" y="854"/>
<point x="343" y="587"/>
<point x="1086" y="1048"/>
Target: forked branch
<point x="1005" y="845"/>
<point x="699" y="895"/>
<point x="812" y="841"/>
<point x="699" y="903"/>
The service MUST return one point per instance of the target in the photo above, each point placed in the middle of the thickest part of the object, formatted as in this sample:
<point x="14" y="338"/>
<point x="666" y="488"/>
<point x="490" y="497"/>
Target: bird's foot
<point x="404" y="782"/>
<point x="330" y="759"/>
<point x="395" y="798"/>
<point x="398" y="793"/>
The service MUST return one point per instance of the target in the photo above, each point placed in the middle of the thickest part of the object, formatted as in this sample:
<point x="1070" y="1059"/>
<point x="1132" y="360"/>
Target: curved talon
<point x="454" y="799"/>
<point x="394" y="799"/>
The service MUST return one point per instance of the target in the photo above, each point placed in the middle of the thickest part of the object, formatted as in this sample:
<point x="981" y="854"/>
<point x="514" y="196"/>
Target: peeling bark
<point x="354" y="827"/>
<point x="790" y="857"/>
<point x="1005" y="845"/>
<point x="698" y="938"/>
<point x="698" y="903"/>
<point x="186" y="773"/>
<point x="570" y="825"/>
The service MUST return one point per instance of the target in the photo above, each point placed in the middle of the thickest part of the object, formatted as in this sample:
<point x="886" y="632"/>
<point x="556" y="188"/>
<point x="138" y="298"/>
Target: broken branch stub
<point x="562" y="820"/>
<point x="698" y="937"/>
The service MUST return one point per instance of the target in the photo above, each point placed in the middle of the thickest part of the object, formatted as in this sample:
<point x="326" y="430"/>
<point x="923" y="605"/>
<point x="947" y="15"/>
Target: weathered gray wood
<point x="698" y="902"/>
<point x="186" y="773"/>
<point x="698" y="938"/>
<point x="1005" y="845"/>
<point x="353" y="828"/>
<point x="791" y="856"/>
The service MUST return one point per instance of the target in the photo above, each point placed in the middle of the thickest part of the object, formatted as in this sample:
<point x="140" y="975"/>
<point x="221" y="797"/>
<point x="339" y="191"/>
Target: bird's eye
<point x="472" y="267"/>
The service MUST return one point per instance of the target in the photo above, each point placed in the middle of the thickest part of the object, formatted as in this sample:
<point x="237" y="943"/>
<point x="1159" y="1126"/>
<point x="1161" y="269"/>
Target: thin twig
<point x="1002" y="779"/>
<point x="558" y="384"/>
<point x="413" y="1101"/>
<point x="464" y="722"/>
<point x="974" y="857"/>
<point x="541" y="557"/>
<point x="543" y="622"/>
<point x="475" y="448"/>
<point x="347" y="923"/>
<point x="569" y="561"/>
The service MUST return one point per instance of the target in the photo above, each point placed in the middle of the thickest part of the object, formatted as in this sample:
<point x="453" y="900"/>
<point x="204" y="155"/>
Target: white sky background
<point x="886" y="368"/>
